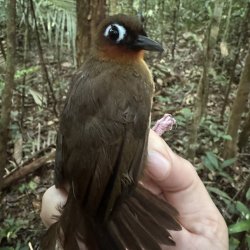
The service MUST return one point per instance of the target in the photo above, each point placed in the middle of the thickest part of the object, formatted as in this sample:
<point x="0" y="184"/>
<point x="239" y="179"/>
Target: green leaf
<point x="32" y="185"/>
<point x="233" y="243"/>
<point x="213" y="159"/>
<point x="39" y="99"/>
<point x="241" y="226"/>
<point x="248" y="240"/>
<point x="22" y="72"/>
<point x="186" y="112"/>
<point x="226" y="175"/>
<point x="217" y="191"/>
<point x="228" y="162"/>
<point x="208" y="164"/>
<point x="248" y="194"/>
<point x="22" y="188"/>
<point x="164" y="99"/>
<point x="227" y="137"/>
<point x="242" y="208"/>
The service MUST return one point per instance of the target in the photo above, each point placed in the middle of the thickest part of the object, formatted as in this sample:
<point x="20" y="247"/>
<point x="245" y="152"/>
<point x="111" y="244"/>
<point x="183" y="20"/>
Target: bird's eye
<point x="115" y="32"/>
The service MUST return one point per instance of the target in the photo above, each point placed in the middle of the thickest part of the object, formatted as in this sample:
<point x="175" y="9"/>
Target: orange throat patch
<point x="122" y="55"/>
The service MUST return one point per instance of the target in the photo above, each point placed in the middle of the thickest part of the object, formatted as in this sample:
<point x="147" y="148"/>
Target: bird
<point x="102" y="146"/>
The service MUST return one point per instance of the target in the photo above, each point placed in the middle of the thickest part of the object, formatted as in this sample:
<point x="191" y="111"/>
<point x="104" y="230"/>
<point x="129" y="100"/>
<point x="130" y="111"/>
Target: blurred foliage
<point x="27" y="187"/>
<point x="10" y="229"/>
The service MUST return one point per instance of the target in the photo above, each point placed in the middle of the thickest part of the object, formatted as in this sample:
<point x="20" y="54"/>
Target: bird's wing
<point x="102" y="137"/>
<point x="101" y="145"/>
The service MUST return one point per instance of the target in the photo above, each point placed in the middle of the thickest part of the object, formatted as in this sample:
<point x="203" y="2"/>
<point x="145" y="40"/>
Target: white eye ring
<point x="121" y="30"/>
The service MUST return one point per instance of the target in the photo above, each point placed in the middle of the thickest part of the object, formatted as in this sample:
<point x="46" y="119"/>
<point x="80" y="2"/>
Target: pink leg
<point x="164" y="124"/>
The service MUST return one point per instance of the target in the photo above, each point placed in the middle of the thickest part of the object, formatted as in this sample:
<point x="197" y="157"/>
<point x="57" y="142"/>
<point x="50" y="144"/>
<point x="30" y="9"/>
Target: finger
<point x="182" y="187"/>
<point x="52" y="199"/>
<point x="171" y="172"/>
<point x="179" y="182"/>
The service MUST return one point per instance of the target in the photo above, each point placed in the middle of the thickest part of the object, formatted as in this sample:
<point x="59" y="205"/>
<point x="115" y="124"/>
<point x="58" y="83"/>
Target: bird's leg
<point x="164" y="124"/>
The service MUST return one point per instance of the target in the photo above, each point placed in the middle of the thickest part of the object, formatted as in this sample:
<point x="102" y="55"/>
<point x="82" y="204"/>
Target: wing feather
<point x="103" y="136"/>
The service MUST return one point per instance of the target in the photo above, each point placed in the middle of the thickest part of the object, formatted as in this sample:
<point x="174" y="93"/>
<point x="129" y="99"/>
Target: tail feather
<point x="157" y="230"/>
<point x="124" y="236"/>
<point x="121" y="245"/>
<point x="136" y="227"/>
<point x="140" y="221"/>
<point x="50" y="238"/>
<point x="163" y="212"/>
<point x="57" y="238"/>
<point x="99" y="237"/>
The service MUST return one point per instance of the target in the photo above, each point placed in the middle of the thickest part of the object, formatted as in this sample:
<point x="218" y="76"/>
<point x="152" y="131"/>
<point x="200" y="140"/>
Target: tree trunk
<point x="9" y="84"/>
<point x="203" y="87"/>
<point x="89" y="14"/>
<point x="242" y="36"/>
<point x="175" y="26"/>
<point x="239" y="105"/>
<point x="245" y="134"/>
<point x="112" y="7"/>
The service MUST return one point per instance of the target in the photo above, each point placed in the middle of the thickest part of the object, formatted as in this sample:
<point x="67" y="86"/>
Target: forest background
<point x="202" y="79"/>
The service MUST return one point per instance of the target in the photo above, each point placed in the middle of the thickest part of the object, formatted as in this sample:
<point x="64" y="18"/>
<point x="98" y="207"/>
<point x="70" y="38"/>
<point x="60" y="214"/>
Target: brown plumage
<point x="101" y="147"/>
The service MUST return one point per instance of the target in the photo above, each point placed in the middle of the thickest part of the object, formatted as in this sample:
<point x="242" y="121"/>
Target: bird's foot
<point x="164" y="124"/>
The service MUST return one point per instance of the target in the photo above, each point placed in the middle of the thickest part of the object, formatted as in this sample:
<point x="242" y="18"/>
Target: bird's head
<point x="123" y="37"/>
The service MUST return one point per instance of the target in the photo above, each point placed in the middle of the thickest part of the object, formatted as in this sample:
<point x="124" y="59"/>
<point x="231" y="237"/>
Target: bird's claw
<point x="164" y="124"/>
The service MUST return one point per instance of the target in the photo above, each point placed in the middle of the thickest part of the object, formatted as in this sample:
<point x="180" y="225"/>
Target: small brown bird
<point x="102" y="145"/>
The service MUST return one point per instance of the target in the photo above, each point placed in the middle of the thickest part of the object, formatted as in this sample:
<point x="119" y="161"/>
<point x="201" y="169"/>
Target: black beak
<point x="143" y="42"/>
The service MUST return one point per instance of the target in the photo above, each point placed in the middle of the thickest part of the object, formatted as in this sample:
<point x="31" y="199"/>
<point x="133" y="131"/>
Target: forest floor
<point x="176" y="82"/>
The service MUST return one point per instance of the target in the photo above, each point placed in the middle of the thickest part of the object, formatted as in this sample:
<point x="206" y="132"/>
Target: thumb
<point x="175" y="178"/>
<point x="169" y="171"/>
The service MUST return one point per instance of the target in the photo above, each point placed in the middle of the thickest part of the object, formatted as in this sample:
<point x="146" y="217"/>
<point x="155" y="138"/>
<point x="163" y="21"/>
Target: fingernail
<point x="158" y="165"/>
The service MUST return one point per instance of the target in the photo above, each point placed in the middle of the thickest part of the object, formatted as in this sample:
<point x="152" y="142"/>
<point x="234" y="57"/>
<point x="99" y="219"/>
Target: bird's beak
<point x="143" y="42"/>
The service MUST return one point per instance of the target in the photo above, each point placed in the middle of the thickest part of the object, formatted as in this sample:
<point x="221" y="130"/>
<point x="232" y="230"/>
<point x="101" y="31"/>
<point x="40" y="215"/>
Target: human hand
<point x="176" y="180"/>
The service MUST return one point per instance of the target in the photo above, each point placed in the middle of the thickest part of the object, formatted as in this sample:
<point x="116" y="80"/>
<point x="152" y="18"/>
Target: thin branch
<point x="45" y="73"/>
<point x="27" y="169"/>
